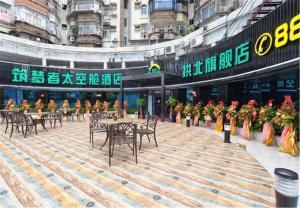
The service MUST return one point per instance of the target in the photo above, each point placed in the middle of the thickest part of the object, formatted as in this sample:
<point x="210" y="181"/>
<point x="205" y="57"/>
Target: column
<point x="163" y="93"/>
<point x="105" y="65"/>
<point x="150" y="103"/>
<point x="72" y="64"/>
<point x="123" y="64"/>
<point x="44" y="62"/>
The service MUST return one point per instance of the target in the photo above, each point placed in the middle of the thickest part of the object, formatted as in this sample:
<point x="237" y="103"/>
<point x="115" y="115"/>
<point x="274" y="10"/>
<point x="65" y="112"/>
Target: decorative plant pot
<point x="239" y="131"/>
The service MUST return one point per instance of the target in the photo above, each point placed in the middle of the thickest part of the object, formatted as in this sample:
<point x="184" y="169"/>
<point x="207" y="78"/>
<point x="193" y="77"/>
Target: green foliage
<point x="140" y="102"/>
<point x="171" y="102"/>
<point x="257" y="126"/>
<point x="111" y="96"/>
<point x="132" y="110"/>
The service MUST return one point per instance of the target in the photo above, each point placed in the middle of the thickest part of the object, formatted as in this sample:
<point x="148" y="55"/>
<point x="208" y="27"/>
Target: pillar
<point x="105" y="65"/>
<point x="150" y="103"/>
<point x="163" y="93"/>
<point x="72" y="64"/>
<point x="44" y="62"/>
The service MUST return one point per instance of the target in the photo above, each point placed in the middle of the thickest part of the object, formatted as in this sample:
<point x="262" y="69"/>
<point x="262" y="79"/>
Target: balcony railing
<point x="84" y="7"/>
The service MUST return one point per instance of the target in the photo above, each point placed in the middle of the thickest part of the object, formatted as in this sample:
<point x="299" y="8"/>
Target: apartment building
<point x="109" y="23"/>
<point x="6" y="16"/>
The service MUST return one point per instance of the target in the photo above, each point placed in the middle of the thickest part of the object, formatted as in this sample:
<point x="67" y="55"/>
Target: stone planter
<point x="239" y="131"/>
<point x="201" y="124"/>
<point x="257" y="136"/>
<point x="132" y="116"/>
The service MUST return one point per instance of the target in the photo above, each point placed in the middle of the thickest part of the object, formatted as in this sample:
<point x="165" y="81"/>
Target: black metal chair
<point x="120" y="113"/>
<point x="57" y="116"/>
<point x="149" y="128"/>
<point x="29" y="125"/>
<point x="122" y="133"/>
<point x="96" y="127"/>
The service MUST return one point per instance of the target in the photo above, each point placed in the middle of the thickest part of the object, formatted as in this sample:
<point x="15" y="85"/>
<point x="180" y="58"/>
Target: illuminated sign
<point x="154" y="68"/>
<point x="74" y="78"/>
<point x="224" y="60"/>
<point x="283" y="34"/>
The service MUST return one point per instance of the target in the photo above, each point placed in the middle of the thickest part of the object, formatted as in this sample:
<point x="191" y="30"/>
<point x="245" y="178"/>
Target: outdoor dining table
<point x="38" y="118"/>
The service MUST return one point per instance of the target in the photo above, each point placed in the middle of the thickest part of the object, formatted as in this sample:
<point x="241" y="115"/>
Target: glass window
<point x="144" y="10"/>
<point x="207" y="11"/>
<point x="163" y="4"/>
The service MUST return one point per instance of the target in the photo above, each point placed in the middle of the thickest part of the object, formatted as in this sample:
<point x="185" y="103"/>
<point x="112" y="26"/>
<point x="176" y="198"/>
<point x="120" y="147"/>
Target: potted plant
<point x="52" y="106"/>
<point x="247" y="114"/>
<point x="266" y="116"/>
<point x="197" y="111"/>
<point x="286" y="116"/>
<point x="39" y="105"/>
<point x="178" y="109"/>
<point x="88" y="107"/>
<point x="141" y="103"/>
<point x="208" y="112"/>
<point x="24" y="106"/>
<point x="171" y="103"/>
<point x="188" y="109"/>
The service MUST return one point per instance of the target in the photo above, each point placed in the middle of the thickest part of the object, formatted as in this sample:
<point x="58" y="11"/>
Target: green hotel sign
<point x="64" y="78"/>
<point x="222" y="61"/>
<point x="154" y="69"/>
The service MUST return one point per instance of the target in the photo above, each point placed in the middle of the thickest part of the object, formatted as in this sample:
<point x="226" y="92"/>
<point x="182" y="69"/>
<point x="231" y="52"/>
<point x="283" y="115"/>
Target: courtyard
<point x="190" y="168"/>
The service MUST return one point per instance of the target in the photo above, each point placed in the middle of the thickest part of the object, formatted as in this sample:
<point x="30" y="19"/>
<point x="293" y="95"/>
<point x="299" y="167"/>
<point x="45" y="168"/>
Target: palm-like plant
<point x="140" y="103"/>
<point x="171" y="102"/>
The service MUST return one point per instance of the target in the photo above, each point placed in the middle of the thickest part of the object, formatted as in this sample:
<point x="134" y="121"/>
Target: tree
<point x="140" y="103"/>
<point x="171" y="102"/>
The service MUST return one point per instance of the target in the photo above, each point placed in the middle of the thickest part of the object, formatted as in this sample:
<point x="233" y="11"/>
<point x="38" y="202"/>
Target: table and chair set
<point x="121" y="131"/>
<point x="25" y="122"/>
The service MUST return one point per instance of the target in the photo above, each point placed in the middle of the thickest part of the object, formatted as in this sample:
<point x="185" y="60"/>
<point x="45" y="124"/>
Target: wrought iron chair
<point x="96" y="127"/>
<point x="57" y="116"/>
<point x="149" y="128"/>
<point x="3" y="117"/>
<point x="122" y="133"/>
<point x="120" y="113"/>
<point x="29" y="125"/>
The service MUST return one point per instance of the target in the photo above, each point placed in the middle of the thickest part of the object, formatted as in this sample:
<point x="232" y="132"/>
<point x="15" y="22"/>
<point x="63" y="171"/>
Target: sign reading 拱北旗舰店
<point x="218" y="62"/>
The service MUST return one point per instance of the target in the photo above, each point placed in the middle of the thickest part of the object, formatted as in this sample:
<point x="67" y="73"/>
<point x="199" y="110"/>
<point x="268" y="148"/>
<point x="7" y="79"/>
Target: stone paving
<point x="190" y="168"/>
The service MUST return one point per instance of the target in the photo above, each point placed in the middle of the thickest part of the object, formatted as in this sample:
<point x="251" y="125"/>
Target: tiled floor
<point x="191" y="168"/>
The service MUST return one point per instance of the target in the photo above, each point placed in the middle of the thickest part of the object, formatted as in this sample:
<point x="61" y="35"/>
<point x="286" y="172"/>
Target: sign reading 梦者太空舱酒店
<point x="224" y="60"/>
<point x="26" y="75"/>
<point x="39" y="76"/>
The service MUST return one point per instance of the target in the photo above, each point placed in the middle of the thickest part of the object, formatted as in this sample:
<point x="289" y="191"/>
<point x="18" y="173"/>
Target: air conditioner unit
<point x="160" y="52"/>
<point x="184" y="44"/>
<point x="72" y="39"/>
<point x="149" y="54"/>
<point x="169" y="50"/>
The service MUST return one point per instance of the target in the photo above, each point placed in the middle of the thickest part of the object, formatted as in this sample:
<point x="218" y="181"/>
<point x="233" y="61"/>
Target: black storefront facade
<point x="261" y="63"/>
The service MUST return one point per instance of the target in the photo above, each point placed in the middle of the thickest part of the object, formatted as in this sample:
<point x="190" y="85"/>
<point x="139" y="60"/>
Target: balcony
<point x="26" y="28"/>
<point x="83" y="8"/>
<point x="163" y="34"/>
<point x="89" y="41"/>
